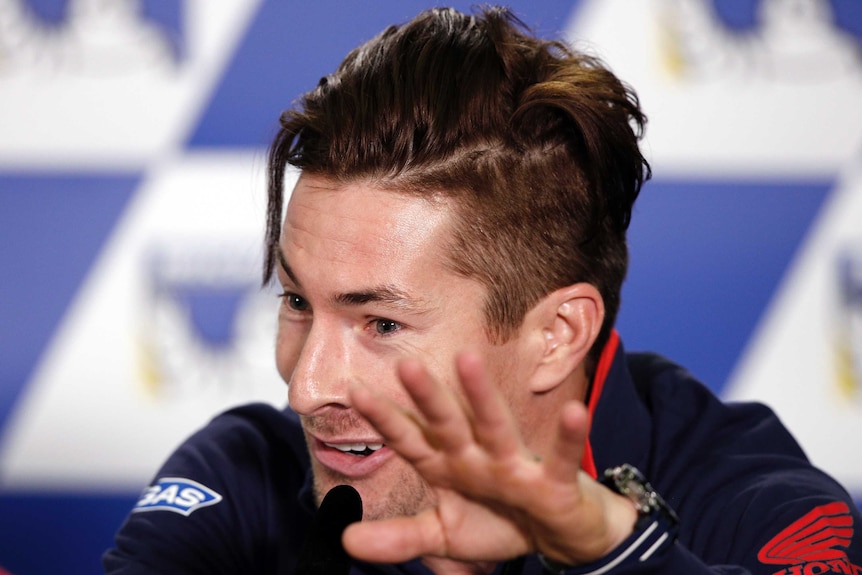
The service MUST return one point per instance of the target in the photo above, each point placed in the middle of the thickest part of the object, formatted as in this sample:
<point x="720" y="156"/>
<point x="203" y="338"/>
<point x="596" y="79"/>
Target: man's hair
<point x="535" y="144"/>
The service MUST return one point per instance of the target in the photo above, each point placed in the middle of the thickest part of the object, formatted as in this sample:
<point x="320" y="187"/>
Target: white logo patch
<point x="176" y="494"/>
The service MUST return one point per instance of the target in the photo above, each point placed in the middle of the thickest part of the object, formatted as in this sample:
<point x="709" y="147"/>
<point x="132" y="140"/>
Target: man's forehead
<point x="364" y="231"/>
<point x="389" y="188"/>
<point x="387" y="212"/>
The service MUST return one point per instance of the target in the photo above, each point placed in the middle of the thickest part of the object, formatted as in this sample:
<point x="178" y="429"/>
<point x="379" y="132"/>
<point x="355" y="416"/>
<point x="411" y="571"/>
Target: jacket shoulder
<point x="221" y="500"/>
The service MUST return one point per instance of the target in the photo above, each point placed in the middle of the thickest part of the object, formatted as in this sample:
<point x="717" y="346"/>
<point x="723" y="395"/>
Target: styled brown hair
<point x="537" y="146"/>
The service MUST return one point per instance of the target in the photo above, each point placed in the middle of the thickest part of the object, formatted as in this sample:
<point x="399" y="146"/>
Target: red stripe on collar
<point x="602" y="369"/>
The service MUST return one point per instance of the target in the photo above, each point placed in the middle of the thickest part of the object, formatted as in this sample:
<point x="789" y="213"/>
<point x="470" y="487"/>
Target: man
<point x="451" y="261"/>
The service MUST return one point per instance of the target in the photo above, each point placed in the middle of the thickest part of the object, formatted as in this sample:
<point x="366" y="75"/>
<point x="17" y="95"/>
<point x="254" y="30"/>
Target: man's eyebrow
<point x="384" y="294"/>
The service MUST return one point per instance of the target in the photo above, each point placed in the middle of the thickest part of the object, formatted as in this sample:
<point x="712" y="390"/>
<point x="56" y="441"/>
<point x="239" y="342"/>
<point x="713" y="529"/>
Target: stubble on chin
<point x="382" y="499"/>
<point x="393" y="494"/>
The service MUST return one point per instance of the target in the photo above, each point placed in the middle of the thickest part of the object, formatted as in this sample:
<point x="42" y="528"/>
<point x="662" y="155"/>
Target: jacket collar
<point x="621" y="425"/>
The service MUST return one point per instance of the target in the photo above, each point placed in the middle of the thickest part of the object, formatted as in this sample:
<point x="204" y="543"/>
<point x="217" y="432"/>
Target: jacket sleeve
<point x="209" y="510"/>
<point x="813" y="535"/>
<point x="748" y="499"/>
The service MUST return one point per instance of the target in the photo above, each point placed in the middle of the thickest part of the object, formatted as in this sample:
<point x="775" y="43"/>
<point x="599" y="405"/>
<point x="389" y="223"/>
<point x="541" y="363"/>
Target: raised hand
<point x="495" y="499"/>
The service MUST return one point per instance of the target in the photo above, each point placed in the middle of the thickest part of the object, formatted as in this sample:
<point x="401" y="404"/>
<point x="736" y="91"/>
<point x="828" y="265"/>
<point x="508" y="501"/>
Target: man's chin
<point x="398" y="499"/>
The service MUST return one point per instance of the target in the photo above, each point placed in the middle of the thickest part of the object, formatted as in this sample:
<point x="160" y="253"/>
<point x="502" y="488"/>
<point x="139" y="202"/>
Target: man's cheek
<point x="286" y="356"/>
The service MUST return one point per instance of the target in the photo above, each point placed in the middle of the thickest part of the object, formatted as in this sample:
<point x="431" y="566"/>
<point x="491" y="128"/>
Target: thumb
<point x="395" y="540"/>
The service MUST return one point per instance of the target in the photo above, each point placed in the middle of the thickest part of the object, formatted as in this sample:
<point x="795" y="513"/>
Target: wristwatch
<point x="626" y="480"/>
<point x="656" y="527"/>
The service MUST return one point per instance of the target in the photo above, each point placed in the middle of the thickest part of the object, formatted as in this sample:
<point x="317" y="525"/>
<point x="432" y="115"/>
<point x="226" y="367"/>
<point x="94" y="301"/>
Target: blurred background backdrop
<point x="132" y="159"/>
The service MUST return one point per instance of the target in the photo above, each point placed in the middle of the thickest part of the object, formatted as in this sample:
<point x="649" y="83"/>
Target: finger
<point x="447" y="425"/>
<point x="493" y="424"/>
<point x="395" y="540"/>
<point x="399" y="430"/>
<point x="564" y="461"/>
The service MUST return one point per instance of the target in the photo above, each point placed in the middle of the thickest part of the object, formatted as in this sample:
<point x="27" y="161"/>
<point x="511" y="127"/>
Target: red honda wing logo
<point x="814" y="543"/>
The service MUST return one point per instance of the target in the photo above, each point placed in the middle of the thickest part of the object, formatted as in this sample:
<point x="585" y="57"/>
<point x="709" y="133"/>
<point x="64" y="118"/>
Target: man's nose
<point x="322" y="373"/>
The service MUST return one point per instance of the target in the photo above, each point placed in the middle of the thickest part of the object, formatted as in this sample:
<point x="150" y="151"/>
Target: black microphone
<point x="322" y="553"/>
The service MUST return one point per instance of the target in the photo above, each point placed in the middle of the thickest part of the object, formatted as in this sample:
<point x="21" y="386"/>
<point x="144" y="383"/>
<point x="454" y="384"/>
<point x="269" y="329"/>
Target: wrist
<point x="640" y="524"/>
<point x="623" y="519"/>
<point x="652" y="539"/>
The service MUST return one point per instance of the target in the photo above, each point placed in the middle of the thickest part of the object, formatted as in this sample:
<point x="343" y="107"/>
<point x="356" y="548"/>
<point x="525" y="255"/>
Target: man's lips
<point x="350" y="458"/>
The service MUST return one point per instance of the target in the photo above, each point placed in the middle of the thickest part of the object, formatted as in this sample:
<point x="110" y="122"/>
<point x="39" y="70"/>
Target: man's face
<point x="365" y="286"/>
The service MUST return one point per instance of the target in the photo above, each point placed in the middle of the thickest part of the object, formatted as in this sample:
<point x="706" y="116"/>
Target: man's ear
<point x="568" y="321"/>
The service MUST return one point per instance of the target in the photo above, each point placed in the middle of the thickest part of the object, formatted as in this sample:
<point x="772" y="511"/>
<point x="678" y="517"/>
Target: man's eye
<point x="295" y="302"/>
<point x="386" y="326"/>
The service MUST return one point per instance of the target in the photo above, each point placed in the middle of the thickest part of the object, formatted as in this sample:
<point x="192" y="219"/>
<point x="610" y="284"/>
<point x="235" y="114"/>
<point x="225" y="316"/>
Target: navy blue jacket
<point x="235" y="497"/>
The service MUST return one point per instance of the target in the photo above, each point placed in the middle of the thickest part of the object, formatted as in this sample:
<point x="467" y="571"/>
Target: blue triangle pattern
<point x="52" y="227"/>
<point x="290" y="45"/>
<point x="706" y="259"/>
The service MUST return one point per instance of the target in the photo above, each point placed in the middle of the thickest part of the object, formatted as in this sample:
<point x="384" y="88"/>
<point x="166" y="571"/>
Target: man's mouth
<point x="353" y="459"/>
<point x="358" y="449"/>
